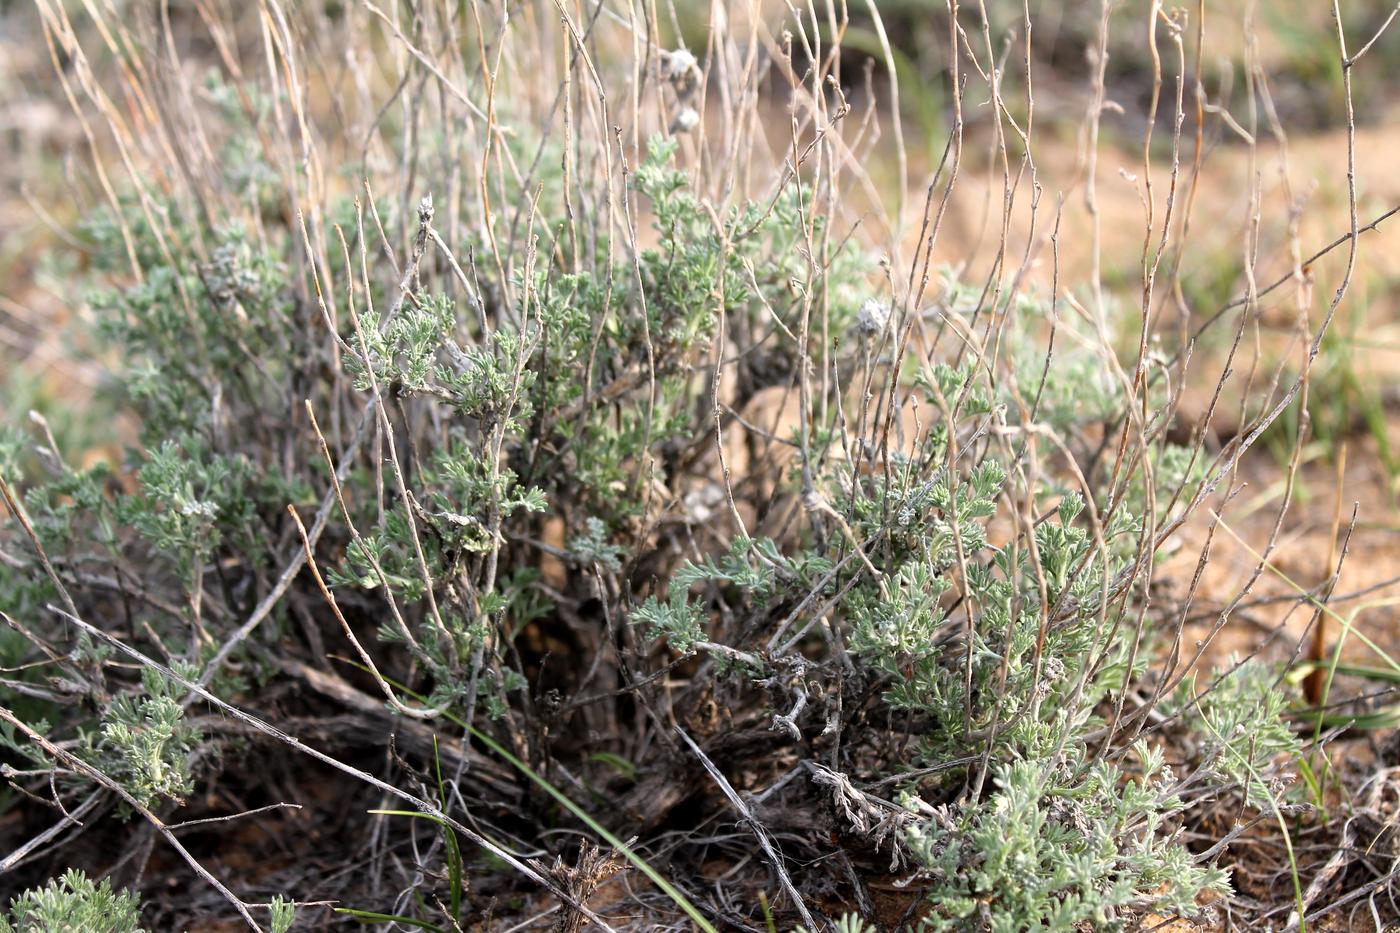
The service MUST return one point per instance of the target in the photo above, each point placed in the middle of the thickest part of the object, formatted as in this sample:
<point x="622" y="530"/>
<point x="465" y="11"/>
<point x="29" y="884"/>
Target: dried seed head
<point x="873" y="317"/>
<point x="681" y="70"/>
<point x="675" y="64"/>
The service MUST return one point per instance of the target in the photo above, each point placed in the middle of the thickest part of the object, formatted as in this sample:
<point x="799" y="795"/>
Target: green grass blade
<point x="369" y="916"/>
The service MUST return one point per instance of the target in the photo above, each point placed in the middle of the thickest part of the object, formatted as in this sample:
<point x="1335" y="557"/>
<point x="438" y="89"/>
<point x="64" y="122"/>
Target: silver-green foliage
<point x="145" y="741"/>
<point x="72" y="903"/>
<point x="1055" y="846"/>
<point x="1240" y="729"/>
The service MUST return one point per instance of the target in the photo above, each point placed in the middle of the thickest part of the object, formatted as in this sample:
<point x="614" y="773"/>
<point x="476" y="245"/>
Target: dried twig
<point x="775" y="857"/>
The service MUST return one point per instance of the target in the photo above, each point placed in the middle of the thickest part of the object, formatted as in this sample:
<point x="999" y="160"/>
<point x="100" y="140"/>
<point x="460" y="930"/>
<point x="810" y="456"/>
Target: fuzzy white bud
<point x="873" y="317"/>
<point x="685" y="121"/>
<point x="677" y="64"/>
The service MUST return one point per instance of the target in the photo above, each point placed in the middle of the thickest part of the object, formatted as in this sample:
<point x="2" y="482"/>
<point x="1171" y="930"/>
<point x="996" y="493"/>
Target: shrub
<point x="576" y="444"/>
